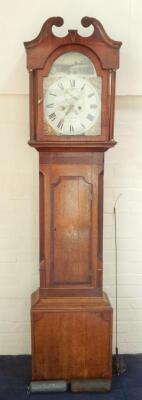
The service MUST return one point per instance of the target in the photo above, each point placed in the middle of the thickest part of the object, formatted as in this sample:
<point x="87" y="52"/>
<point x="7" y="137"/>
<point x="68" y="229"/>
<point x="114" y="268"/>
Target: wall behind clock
<point x="21" y="21"/>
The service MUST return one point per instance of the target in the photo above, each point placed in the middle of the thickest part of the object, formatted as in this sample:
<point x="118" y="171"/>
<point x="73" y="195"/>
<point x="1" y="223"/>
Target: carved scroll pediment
<point x="40" y="48"/>
<point x="98" y="32"/>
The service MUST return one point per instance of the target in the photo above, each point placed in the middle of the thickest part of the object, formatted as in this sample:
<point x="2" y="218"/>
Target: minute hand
<point x="69" y="109"/>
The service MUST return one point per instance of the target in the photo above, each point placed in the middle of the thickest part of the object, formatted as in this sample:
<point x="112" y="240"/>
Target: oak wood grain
<point x="71" y="339"/>
<point x="71" y="317"/>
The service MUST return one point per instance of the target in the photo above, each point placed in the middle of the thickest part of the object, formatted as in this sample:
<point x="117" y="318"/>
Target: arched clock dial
<point x="72" y="96"/>
<point x="71" y="105"/>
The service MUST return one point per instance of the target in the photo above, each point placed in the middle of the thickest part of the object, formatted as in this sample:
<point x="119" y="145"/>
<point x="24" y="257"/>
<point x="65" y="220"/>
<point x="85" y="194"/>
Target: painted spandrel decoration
<point x="72" y="97"/>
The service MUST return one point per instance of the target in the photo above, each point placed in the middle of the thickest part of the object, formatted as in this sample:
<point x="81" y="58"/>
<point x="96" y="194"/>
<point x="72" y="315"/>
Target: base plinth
<point x="72" y="340"/>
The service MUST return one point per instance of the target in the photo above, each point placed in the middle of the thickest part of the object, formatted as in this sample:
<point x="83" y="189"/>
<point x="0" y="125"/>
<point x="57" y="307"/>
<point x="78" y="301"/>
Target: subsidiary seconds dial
<point x="71" y="105"/>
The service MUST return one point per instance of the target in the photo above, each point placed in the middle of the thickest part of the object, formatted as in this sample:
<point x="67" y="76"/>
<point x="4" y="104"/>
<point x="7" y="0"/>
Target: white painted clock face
<point x="71" y="105"/>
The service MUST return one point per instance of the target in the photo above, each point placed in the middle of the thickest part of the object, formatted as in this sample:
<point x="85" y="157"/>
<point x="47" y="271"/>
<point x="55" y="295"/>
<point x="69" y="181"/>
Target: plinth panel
<point x="71" y="341"/>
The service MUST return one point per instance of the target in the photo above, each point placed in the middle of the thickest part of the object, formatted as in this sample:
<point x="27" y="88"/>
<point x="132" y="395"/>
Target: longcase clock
<point x="72" y="95"/>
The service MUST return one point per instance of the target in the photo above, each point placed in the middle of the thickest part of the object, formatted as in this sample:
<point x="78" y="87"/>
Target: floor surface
<point x="15" y="375"/>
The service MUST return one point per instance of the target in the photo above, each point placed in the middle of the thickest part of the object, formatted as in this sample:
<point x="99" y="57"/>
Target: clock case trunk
<point x="71" y="316"/>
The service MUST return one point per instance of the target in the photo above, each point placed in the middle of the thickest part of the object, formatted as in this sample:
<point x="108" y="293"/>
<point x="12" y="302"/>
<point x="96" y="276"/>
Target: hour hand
<point x="63" y="107"/>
